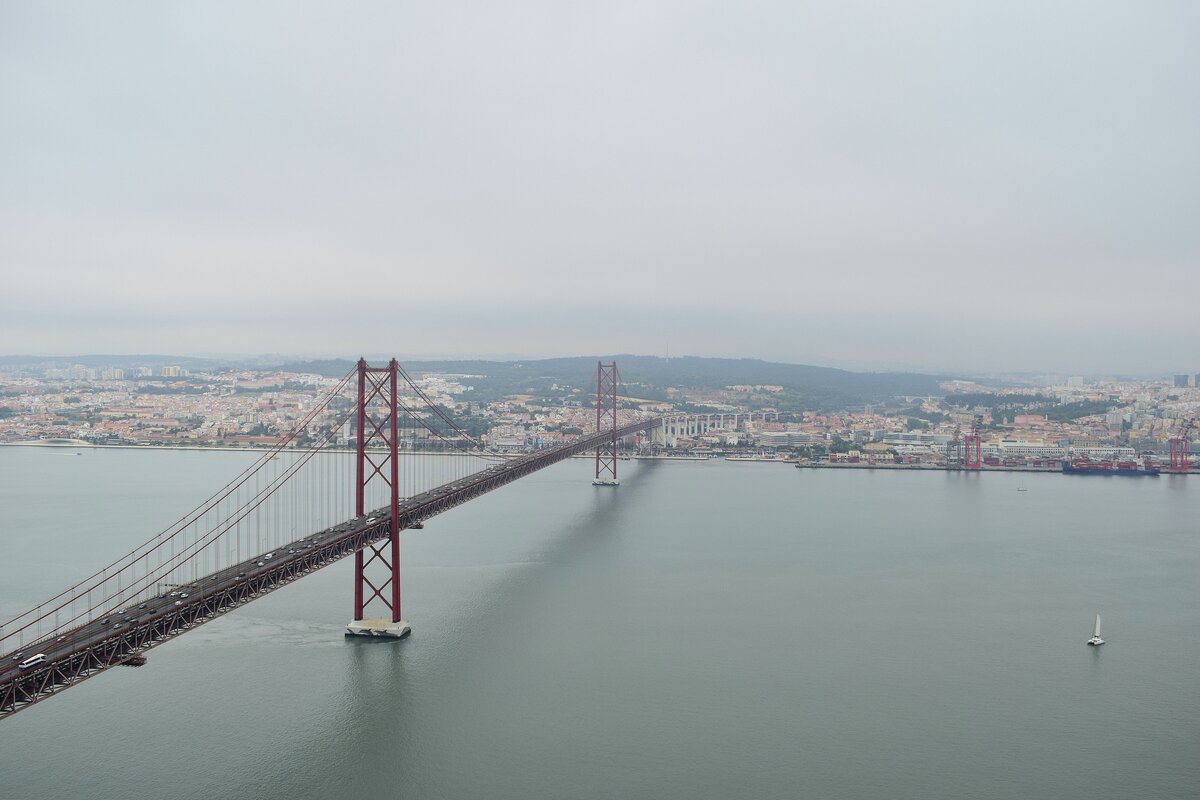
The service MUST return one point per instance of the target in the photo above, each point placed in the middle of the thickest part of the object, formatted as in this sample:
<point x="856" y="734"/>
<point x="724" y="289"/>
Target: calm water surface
<point x="705" y="630"/>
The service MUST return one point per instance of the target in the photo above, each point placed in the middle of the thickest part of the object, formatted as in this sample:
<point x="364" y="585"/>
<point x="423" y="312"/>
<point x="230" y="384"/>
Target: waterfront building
<point x="917" y="438"/>
<point x="1025" y="449"/>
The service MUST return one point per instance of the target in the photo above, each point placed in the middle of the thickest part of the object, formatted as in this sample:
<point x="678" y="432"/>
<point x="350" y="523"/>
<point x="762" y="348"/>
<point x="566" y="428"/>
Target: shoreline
<point x="80" y="444"/>
<point x="985" y="468"/>
<point x="64" y="445"/>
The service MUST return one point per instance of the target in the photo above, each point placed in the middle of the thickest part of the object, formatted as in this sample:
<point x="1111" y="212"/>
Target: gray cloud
<point x="986" y="185"/>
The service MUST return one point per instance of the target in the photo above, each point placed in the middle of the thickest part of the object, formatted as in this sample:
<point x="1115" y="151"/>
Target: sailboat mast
<point x="1097" y="632"/>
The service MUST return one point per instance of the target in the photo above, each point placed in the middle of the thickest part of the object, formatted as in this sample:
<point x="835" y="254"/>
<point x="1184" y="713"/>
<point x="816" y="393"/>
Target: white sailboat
<point x="1096" y="640"/>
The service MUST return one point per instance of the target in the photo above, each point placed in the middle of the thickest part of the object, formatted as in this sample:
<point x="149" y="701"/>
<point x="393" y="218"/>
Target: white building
<point x="1020" y="449"/>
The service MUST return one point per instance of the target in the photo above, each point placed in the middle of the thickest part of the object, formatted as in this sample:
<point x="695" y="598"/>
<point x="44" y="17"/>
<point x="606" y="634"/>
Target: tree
<point x="840" y="445"/>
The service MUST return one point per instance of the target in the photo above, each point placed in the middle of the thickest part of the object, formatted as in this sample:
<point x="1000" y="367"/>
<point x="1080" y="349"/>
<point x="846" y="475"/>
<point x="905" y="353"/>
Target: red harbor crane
<point x="1179" y="447"/>
<point x="973" y="445"/>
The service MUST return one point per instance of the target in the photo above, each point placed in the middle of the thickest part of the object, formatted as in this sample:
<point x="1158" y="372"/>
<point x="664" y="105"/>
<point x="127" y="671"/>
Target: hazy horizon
<point x="283" y="358"/>
<point x="942" y="187"/>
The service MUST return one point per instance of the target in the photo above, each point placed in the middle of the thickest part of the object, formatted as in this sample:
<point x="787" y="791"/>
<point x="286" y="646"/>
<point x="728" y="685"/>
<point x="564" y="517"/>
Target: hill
<point x="804" y="386"/>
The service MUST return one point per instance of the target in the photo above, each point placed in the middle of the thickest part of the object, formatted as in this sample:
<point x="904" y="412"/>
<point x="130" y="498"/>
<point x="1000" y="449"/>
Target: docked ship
<point x="1086" y="466"/>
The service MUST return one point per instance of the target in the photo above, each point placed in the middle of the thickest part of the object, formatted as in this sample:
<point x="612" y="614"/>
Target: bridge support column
<point x="377" y="425"/>
<point x="606" y="416"/>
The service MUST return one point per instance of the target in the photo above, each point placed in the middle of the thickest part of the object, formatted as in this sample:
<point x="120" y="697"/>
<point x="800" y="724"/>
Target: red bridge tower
<point x="606" y="416"/>
<point x="377" y="425"/>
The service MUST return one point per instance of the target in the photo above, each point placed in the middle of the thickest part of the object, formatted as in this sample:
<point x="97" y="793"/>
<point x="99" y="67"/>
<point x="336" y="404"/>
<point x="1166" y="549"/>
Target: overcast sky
<point x="953" y="185"/>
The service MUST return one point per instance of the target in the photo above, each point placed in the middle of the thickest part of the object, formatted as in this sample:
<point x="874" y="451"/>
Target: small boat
<point x="1096" y="641"/>
<point x="1022" y="489"/>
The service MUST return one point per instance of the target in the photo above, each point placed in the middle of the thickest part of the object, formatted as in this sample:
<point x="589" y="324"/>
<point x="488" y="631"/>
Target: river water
<point x="706" y="630"/>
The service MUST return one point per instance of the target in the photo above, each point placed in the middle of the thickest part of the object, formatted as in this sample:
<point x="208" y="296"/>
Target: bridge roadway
<point x="122" y="636"/>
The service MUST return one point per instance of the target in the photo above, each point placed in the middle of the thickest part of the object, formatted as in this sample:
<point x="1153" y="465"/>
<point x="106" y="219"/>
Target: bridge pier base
<point x="378" y="626"/>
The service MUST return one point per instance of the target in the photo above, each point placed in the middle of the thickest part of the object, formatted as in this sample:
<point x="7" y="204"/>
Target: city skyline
<point x="802" y="413"/>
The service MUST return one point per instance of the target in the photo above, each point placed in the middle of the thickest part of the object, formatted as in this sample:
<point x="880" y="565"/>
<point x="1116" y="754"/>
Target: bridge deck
<point x="123" y="635"/>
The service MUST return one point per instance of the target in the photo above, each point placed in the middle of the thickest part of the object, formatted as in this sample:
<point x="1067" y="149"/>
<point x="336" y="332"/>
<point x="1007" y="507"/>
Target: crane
<point x="954" y="449"/>
<point x="972" y="442"/>
<point x="1179" y="447"/>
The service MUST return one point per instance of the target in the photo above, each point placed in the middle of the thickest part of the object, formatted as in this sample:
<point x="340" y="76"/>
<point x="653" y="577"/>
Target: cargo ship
<point x="1086" y="466"/>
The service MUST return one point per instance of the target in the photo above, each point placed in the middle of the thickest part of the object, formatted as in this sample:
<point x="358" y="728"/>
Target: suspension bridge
<point x="301" y="505"/>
